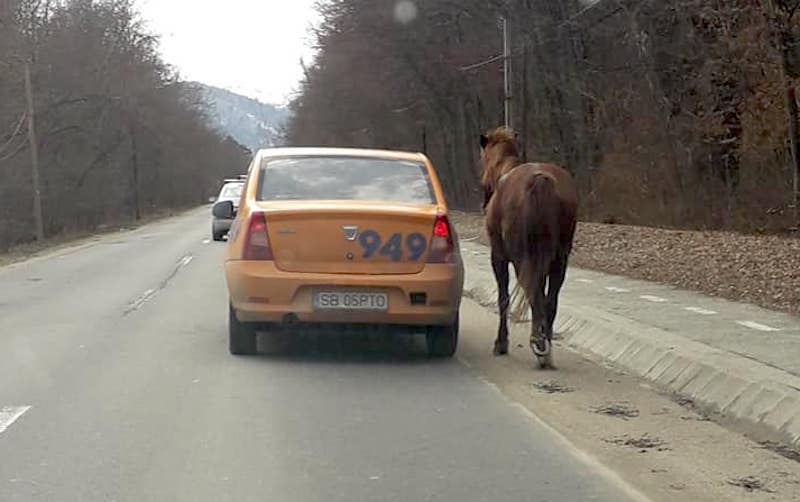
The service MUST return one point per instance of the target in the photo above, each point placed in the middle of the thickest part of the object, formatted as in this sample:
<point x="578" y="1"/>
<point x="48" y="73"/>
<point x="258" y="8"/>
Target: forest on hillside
<point x="117" y="136"/>
<point x="250" y="122"/>
<point x="669" y="112"/>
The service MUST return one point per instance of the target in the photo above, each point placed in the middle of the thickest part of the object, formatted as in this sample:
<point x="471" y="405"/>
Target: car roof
<point x="342" y="152"/>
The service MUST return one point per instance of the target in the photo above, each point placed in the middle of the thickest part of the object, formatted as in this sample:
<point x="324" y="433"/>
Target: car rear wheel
<point x="216" y="234"/>
<point x="241" y="335"/>
<point x="442" y="341"/>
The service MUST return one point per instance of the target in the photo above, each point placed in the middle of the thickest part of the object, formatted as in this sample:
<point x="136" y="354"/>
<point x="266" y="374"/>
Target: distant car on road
<point x="231" y="192"/>
<point x="342" y="236"/>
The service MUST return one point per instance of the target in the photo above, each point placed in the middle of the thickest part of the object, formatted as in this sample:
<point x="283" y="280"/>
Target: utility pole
<point x="34" y="146"/>
<point x="506" y="74"/>
<point x="506" y="58"/>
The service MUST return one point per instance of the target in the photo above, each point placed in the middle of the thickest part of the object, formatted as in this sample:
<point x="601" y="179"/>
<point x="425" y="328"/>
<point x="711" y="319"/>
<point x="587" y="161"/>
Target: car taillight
<point x="442" y="243"/>
<point x="256" y="244"/>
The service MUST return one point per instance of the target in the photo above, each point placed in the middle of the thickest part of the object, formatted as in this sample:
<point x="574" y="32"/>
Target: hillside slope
<point x="250" y="122"/>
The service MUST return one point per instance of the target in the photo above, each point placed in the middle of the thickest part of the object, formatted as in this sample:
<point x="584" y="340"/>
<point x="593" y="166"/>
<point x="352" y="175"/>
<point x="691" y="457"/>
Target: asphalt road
<point x="116" y="385"/>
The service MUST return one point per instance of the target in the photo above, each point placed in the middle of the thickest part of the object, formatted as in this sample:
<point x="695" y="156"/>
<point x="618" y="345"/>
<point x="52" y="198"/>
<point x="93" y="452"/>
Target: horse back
<point x="506" y="208"/>
<point x="563" y="181"/>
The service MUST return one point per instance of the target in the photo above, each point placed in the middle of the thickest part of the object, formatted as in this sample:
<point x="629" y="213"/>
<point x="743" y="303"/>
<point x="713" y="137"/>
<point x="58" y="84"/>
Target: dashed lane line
<point x="142" y="299"/>
<point x="585" y="281"/>
<point x="615" y="289"/>
<point x="701" y="311"/>
<point x="10" y="414"/>
<point x="654" y="299"/>
<point x="150" y="293"/>
<point x="757" y="326"/>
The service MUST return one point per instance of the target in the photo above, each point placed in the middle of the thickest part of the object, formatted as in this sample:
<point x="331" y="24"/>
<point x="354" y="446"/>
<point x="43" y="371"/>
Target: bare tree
<point x="670" y="113"/>
<point x="118" y="136"/>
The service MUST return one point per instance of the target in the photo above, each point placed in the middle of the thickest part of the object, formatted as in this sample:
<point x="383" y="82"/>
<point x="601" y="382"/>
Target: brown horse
<point x="531" y="213"/>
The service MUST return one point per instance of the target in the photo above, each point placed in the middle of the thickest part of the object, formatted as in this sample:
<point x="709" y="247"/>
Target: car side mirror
<point x="223" y="210"/>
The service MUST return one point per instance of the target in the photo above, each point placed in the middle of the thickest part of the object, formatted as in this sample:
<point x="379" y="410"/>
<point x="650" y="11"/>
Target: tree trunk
<point x="791" y="107"/>
<point x="137" y="210"/>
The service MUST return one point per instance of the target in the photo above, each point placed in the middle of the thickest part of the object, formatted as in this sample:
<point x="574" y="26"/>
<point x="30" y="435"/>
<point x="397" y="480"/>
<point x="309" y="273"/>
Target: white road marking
<point x="756" y="326"/>
<point x="585" y="281"/>
<point x="150" y="293"/>
<point x="207" y="241"/>
<point x="701" y="311"/>
<point x="10" y="414"/>
<point x="615" y="289"/>
<point x="654" y="299"/>
<point x="137" y="303"/>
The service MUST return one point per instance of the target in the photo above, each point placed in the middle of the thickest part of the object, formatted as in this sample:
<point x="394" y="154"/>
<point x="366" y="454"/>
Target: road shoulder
<point x="735" y="363"/>
<point x="67" y="244"/>
<point x="657" y="445"/>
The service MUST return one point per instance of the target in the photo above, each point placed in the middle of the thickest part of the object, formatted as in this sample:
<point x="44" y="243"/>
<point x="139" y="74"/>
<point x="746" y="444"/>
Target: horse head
<point x="499" y="154"/>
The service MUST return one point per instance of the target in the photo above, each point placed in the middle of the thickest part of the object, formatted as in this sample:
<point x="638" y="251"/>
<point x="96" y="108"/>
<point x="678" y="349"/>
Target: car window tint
<point x="345" y="178"/>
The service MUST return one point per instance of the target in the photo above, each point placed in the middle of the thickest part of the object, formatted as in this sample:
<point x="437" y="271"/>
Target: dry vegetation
<point x="119" y="137"/>
<point x="763" y="270"/>
<point x="670" y="113"/>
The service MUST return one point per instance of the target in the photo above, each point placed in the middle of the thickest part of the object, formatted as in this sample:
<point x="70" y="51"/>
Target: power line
<point x="489" y="61"/>
<point x="526" y="43"/>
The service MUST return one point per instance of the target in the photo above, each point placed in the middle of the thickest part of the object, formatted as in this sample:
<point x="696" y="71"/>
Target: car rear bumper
<point x="260" y="292"/>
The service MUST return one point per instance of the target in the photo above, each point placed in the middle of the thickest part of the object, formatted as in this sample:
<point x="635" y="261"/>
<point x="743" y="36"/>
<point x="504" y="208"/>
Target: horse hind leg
<point x="555" y="280"/>
<point x="500" y="268"/>
<point x="541" y="344"/>
<point x="558" y="271"/>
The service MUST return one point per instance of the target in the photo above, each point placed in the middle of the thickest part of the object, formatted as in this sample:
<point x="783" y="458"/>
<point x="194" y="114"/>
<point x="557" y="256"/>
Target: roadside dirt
<point x="659" y="446"/>
<point x="762" y="270"/>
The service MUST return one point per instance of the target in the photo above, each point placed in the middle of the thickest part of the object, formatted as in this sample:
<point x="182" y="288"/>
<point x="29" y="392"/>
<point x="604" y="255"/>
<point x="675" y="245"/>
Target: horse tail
<point x="538" y="241"/>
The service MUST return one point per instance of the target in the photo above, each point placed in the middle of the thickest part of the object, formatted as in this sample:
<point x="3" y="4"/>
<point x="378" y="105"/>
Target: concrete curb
<point x="754" y="397"/>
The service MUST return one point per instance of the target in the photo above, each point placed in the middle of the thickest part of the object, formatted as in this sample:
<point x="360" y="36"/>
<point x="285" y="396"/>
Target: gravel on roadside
<point x="762" y="270"/>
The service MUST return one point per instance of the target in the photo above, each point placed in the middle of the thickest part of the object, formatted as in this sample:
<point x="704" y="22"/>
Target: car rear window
<point x="345" y="178"/>
<point x="232" y="190"/>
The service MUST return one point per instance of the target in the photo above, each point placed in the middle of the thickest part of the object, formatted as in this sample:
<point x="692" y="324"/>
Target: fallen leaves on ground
<point x="758" y="269"/>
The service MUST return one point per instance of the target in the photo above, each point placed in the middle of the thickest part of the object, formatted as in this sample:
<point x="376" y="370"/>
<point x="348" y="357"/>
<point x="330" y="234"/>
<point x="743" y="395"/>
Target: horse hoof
<point x="541" y="348"/>
<point x="500" y="349"/>
<point x="546" y="362"/>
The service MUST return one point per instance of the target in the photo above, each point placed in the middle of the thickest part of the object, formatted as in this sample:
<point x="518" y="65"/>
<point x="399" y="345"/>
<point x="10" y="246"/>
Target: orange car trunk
<point x="350" y="237"/>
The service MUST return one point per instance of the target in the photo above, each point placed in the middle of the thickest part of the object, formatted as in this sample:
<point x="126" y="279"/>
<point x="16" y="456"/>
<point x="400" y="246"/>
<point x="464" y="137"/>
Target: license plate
<point x="351" y="300"/>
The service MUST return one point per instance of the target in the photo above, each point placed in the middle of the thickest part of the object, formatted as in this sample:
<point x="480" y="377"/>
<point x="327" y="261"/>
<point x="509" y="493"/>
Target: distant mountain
<point x="248" y="121"/>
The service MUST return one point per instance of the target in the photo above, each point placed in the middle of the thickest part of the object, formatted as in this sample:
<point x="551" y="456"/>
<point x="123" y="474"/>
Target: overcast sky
<point x="248" y="46"/>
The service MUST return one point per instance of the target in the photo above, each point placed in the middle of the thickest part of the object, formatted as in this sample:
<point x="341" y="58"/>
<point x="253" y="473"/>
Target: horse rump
<point x="536" y="243"/>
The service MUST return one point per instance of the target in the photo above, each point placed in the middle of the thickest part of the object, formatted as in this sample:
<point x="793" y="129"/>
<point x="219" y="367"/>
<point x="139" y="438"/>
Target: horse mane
<point x="505" y="137"/>
<point x="502" y="153"/>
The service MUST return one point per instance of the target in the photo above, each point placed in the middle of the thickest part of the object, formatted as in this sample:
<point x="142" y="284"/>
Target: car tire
<point x="216" y="234"/>
<point x="442" y="341"/>
<point x="241" y="335"/>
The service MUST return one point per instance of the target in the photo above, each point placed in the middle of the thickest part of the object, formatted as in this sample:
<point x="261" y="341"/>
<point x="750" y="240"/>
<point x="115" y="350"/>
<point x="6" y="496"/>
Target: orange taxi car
<point x="342" y="236"/>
